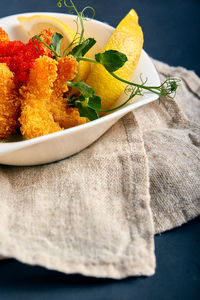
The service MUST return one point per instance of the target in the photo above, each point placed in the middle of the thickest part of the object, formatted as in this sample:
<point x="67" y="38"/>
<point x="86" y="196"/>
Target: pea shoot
<point x="87" y="102"/>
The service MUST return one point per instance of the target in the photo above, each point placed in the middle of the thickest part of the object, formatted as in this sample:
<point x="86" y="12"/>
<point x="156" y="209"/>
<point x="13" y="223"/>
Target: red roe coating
<point x="20" y="58"/>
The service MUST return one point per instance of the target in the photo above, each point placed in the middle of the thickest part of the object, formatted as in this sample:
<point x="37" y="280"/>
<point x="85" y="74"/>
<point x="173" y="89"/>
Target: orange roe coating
<point x="20" y="58"/>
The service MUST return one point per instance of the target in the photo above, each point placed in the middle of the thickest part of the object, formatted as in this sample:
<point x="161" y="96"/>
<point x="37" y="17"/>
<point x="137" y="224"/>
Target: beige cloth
<point x="91" y="213"/>
<point x="172" y="145"/>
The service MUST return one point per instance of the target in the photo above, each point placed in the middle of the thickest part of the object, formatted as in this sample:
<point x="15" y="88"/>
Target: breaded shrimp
<point x="9" y="102"/>
<point x="3" y="36"/>
<point x="66" y="117"/>
<point x="67" y="69"/>
<point x="36" y="119"/>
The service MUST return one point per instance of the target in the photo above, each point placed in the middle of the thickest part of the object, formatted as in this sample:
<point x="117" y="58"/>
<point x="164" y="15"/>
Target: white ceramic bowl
<point x="62" y="144"/>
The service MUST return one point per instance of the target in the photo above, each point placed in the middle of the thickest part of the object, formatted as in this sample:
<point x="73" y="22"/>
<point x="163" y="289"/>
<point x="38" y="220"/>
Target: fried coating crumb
<point x="40" y="99"/>
<point x="67" y="117"/>
<point x="36" y="119"/>
<point x="46" y="36"/>
<point x="9" y="102"/>
<point x="3" y="36"/>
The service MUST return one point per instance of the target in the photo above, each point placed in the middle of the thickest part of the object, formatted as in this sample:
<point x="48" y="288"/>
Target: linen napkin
<point x="93" y="213"/>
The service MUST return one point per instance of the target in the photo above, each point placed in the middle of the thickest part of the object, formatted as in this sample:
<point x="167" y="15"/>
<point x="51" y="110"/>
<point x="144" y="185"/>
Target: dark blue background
<point x="172" y="34"/>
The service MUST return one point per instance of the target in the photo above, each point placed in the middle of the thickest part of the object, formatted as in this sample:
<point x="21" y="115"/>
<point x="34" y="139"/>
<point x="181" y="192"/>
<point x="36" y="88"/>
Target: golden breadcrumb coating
<point x="43" y="108"/>
<point x="9" y="102"/>
<point x="3" y="36"/>
<point x="66" y="117"/>
<point x="36" y="119"/>
<point x="46" y="36"/>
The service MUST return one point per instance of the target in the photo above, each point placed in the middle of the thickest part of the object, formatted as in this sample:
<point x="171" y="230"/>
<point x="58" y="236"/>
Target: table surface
<point x="171" y="32"/>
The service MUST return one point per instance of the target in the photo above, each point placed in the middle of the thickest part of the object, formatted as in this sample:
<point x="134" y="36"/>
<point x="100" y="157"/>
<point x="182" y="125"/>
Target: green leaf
<point x="85" y="89"/>
<point x="88" y="103"/>
<point x="86" y="111"/>
<point x="94" y="102"/>
<point x="112" y="60"/>
<point x="72" y="99"/>
<point x="83" y="48"/>
<point x="173" y="86"/>
<point x="56" y="42"/>
<point x="83" y="99"/>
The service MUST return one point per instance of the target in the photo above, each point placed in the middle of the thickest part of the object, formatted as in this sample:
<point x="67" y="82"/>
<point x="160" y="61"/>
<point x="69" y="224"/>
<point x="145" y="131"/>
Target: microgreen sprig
<point x="78" y="40"/>
<point x="54" y="47"/>
<point x="88" y="103"/>
<point x="113" y="60"/>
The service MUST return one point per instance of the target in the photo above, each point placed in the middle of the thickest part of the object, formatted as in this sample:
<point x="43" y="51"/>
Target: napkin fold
<point x="96" y="213"/>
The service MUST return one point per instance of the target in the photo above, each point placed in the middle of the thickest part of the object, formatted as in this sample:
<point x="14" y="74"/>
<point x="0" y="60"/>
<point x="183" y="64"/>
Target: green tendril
<point x="34" y="44"/>
<point x="80" y="15"/>
<point x="73" y="43"/>
<point x="88" y="8"/>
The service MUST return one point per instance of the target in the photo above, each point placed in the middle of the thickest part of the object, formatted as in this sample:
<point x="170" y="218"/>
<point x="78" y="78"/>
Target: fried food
<point x="9" y="102"/>
<point x="36" y="119"/>
<point x="3" y="36"/>
<point x="19" y="57"/>
<point x="63" y="114"/>
<point x="46" y="36"/>
<point x="38" y="98"/>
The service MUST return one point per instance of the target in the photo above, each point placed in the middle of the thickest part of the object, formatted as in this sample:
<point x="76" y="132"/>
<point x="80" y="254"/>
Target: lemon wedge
<point x="128" y="39"/>
<point x="35" y="24"/>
